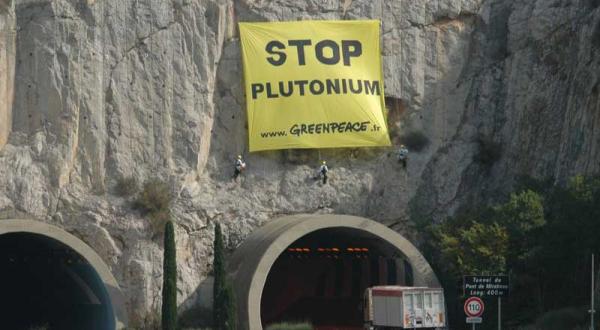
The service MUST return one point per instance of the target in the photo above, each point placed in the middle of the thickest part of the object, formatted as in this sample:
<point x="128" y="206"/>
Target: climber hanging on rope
<point x="402" y="155"/>
<point x="240" y="166"/>
<point x="323" y="172"/>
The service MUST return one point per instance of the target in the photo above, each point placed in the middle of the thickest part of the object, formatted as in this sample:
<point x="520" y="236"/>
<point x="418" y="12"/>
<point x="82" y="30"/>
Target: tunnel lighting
<point x="306" y="249"/>
<point x="335" y="250"/>
<point x="320" y="249"/>
<point x="350" y="249"/>
<point x="365" y="250"/>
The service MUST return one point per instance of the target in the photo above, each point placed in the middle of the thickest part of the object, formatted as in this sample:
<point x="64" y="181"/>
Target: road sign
<point x="474" y="307"/>
<point x="486" y="285"/>
<point x="474" y="319"/>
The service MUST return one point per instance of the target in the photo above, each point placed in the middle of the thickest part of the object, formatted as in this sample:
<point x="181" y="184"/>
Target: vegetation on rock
<point x="154" y="201"/>
<point x="290" y="326"/>
<point x="543" y="236"/>
<point x="126" y="186"/>
<point x="224" y="310"/>
<point x="169" y="289"/>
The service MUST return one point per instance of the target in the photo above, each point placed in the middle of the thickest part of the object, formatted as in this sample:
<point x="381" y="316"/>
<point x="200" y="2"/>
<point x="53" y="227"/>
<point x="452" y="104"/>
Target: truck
<point x="404" y="307"/>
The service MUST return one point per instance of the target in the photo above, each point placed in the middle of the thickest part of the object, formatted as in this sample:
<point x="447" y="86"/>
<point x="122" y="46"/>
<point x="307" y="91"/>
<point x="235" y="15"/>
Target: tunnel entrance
<point x="288" y="269"/>
<point x="321" y="277"/>
<point x="47" y="285"/>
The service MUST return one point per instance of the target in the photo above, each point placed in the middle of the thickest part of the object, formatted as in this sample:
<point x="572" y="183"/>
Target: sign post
<point x="499" y="313"/>
<point x="474" y="308"/>
<point x="487" y="286"/>
<point x="592" y="310"/>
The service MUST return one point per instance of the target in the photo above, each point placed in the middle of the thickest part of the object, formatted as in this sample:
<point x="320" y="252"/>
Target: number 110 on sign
<point x="474" y="307"/>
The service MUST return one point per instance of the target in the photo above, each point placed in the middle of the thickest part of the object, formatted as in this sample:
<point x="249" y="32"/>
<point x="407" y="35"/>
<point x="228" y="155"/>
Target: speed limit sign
<point x="474" y="307"/>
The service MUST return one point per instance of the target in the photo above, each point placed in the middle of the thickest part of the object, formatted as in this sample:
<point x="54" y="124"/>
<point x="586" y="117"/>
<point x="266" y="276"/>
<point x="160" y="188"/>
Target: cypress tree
<point x="229" y="304"/>
<point x="169" y="289"/>
<point x="219" y="303"/>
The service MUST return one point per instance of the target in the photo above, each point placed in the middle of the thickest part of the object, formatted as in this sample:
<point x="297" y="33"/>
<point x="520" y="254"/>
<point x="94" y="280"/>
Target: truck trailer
<point x="404" y="307"/>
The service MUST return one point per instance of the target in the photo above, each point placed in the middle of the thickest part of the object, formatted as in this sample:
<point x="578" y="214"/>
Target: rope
<point x="192" y="64"/>
<point x="128" y="114"/>
<point x="151" y="117"/>
<point x="169" y="86"/>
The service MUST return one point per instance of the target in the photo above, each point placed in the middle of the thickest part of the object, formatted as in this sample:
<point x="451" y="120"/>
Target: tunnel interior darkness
<point x="321" y="278"/>
<point x="44" y="283"/>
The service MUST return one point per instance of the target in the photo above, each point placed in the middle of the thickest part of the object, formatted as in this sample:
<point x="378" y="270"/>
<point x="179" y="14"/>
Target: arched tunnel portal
<point x="316" y="267"/>
<point x="51" y="279"/>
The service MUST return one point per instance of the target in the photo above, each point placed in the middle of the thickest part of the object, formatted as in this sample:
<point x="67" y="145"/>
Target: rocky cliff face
<point x="111" y="89"/>
<point x="7" y="66"/>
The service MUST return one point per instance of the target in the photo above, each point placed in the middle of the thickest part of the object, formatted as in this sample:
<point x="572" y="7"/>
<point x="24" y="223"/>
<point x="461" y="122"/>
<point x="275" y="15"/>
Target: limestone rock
<point x="93" y="91"/>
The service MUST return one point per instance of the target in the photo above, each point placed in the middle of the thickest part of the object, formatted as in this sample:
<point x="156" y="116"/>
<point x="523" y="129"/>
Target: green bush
<point x="543" y="234"/>
<point x="154" y="201"/>
<point x="169" y="289"/>
<point x="126" y="186"/>
<point x="290" y="326"/>
<point x="39" y="327"/>
<point x="566" y="318"/>
<point x="149" y="321"/>
<point x="196" y="317"/>
<point x="154" y="197"/>
<point x="415" y="141"/>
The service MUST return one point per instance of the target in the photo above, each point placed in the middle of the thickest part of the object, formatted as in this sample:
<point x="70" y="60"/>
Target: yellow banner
<point x="313" y="84"/>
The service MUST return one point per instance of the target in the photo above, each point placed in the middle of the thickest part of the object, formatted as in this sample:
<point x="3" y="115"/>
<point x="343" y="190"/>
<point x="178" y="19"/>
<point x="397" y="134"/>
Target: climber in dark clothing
<point x="239" y="167"/>
<point x="402" y="155"/>
<point x="323" y="171"/>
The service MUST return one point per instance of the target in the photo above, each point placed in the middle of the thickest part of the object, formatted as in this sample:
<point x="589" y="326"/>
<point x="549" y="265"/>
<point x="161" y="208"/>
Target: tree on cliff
<point x="169" y="289"/>
<point x="543" y="234"/>
<point x="224" y="315"/>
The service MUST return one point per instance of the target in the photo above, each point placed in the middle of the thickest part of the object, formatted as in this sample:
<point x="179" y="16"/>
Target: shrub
<point x="290" y="326"/>
<point x="489" y="151"/>
<point x="154" y="197"/>
<point x="415" y="141"/>
<point x="169" y="289"/>
<point x="566" y="318"/>
<point x="126" y="186"/>
<point x="159" y="219"/>
<point x="39" y="327"/>
<point x="154" y="201"/>
<point x="196" y="317"/>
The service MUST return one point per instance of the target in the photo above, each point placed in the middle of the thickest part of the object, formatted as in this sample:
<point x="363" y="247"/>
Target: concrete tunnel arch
<point x="115" y="295"/>
<point x="252" y="260"/>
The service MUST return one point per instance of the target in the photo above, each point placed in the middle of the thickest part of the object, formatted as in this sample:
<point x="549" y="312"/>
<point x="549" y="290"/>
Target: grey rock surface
<point x="7" y="67"/>
<point x="93" y="91"/>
